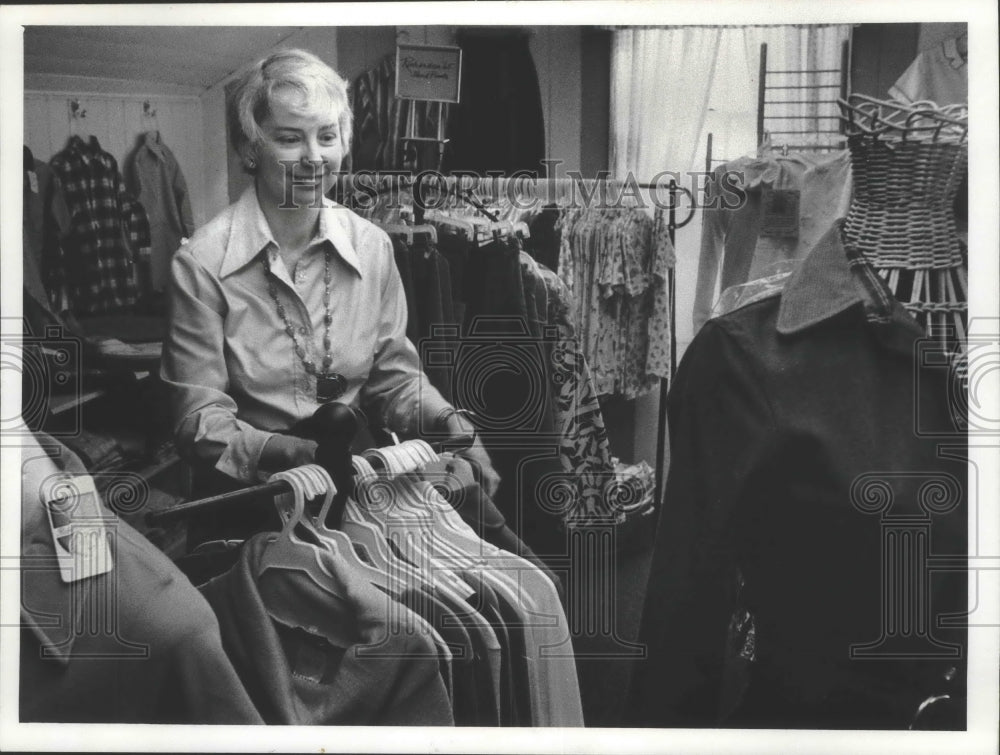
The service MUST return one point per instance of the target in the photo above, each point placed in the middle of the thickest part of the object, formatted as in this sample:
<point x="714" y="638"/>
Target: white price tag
<point x="79" y="529"/>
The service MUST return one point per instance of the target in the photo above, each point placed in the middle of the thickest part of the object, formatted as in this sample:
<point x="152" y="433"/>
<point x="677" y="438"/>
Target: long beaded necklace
<point x="329" y="385"/>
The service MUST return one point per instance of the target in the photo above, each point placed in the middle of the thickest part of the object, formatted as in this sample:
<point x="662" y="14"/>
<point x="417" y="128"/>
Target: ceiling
<point x="196" y="56"/>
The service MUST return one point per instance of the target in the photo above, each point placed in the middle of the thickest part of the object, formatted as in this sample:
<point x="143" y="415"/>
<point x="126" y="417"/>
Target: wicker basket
<point x="901" y="213"/>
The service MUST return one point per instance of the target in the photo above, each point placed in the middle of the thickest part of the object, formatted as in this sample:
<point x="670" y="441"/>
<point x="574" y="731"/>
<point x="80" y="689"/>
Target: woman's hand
<point x="477" y="453"/>
<point x="283" y="452"/>
<point x="457" y="425"/>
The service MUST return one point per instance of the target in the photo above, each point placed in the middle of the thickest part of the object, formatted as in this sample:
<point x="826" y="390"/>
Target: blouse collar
<point x="251" y="233"/>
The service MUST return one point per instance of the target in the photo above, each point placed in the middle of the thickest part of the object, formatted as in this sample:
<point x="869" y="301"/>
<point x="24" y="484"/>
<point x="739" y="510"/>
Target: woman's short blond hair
<point x="248" y="101"/>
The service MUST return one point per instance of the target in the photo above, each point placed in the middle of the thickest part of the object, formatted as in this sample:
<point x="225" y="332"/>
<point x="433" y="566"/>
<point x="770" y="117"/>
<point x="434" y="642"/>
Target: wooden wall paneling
<point x="180" y="129"/>
<point x="96" y="123"/>
<point x="59" y="126"/>
<point x="36" y="127"/>
<point x="119" y="122"/>
<point x="134" y="123"/>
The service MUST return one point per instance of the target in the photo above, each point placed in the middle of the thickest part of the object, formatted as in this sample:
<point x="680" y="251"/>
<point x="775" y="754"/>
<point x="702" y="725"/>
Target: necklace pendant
<point x="330" y="386"/>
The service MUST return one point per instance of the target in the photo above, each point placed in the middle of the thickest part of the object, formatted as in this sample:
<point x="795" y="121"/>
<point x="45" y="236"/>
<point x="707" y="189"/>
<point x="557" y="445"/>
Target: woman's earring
<point x="251" y="163"/>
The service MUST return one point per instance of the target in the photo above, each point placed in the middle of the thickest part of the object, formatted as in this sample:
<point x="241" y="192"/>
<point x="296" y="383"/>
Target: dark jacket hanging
<point x="109" y="230"/>
<point x="810" y="433"/>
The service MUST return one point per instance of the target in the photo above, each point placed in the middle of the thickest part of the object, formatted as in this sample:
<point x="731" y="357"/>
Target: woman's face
<point x="300" y="152"/>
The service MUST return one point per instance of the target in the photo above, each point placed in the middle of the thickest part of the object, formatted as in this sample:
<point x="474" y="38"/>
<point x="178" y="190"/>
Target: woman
<point x="285" y="300"/>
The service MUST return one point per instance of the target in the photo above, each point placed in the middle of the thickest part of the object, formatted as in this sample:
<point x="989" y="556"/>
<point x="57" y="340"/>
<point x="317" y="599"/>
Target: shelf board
<point x="60" y="404"/>
<point x="148" y="471"/>
<point x="63" y="403"/>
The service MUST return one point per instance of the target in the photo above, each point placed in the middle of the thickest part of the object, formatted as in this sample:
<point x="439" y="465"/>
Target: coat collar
<point x="832" y="280"/>
<point x="151" y="141"/>
<point x="250" y="234"/>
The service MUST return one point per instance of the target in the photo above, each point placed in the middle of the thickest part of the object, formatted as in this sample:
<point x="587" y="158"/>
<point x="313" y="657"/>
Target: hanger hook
<point x="293" y="517"/>
<point x="148" y="110"/>
<point x="325" y="487"/>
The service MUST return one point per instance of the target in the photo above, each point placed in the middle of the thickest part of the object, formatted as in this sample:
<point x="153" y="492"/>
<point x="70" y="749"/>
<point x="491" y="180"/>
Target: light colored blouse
<point x="231" y="368"/>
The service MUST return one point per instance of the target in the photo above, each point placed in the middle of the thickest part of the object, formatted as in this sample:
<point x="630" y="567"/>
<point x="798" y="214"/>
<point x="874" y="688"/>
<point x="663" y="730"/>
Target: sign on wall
<point x="428" y="72"/>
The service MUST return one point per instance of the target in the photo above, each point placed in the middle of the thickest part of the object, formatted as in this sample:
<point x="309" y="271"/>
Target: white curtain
<point x="660" y="85"/>
<point x="671" y="87"/>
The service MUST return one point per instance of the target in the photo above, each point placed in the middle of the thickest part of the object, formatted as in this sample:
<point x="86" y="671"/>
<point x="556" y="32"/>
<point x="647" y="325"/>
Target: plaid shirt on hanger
<point x="108" y="230"/>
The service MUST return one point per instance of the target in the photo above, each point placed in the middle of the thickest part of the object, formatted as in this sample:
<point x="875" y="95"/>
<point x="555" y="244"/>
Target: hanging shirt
<point x="466" y="677"/>
<point x="386" y="674"/>
<point x="157" y="180"/>
<point x="738" y="241"/>
<point x="803" y="428"/>
<point x="501" y="368"/>
<point x="109" y="231"/>
<point x="615" y="264"/>
<point x="430" y="305"/>
<point x="45" y="219"/>
<point x="381" y="120"/>
<point x="231" y="369"/>
<point x="939" y="74"/>
<point x="553" y="686"/>
<point x="137" y="644"/>
<point x="456" y="479"/>
<point x="585" y="450"/>
<point x="45" y="223"/>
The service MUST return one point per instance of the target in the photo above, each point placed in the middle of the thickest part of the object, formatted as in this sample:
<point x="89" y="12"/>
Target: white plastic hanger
<point x="288" y="550"/>
<point x="338" y="541"/>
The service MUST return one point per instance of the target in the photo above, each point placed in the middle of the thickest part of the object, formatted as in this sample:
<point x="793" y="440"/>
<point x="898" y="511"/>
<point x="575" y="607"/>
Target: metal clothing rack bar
<point x="815" y="131"/>
<point x="800" y="147"/>
<point x="661" y="419"/>
<point x="817" y="70"/>
<point x="821" y="100"/>
<point x="800" y="102"/>
<point x="804" y="118"/>
<point x="805" y="86"/>
<point x="266" y="490"/>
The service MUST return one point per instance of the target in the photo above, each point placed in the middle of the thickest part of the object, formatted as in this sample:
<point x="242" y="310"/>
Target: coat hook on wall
<point x="148" y="110"/>
<point x="75" y="110"/>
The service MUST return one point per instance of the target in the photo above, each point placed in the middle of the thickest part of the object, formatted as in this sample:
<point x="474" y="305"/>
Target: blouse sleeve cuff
<point x="432" y="405"/>
<point x="242" y="455"/>
<point x="416" y="417"/>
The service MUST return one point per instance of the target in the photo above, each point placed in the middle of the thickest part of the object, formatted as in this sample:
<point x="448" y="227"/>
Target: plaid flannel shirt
<point x="108" y="230"/>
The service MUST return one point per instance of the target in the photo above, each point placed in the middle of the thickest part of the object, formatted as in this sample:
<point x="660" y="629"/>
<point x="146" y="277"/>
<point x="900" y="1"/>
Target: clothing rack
<point x="661" y="424"/>
<point x="557" y="188"/>
<point x="672" y="226"/>
<point x="268" y="489"/>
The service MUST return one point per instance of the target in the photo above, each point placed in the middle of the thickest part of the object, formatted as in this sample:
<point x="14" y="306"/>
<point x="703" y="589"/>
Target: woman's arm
<point x="195" y="373"/>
